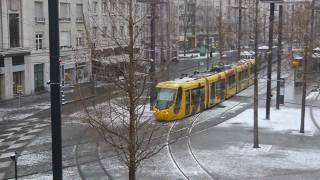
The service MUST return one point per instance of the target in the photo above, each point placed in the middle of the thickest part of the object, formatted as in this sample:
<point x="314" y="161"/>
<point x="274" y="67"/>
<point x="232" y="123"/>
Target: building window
<point x="1" y="61"/>
<point x="38" y="77"/>
<point x="39" y="41"/>
<point x="65" y="40"/>
<point x="121" y="30"/>
<point x="94" y="7"/>
<point x="94" y="32"/>
<point x="113" y="6"/>
<point x="114" y="31"/>
<point x="38" y="7"/>
<point x="14" y="5"/>
<point x="79" y="13"/>
<point x="104" y="7"/>
<point x="64" y="12"/>
<point x="14" y="30"/>
<point x="17" y="60"/>
<point x="105" y="31"/>
<point x="79" y="39"/>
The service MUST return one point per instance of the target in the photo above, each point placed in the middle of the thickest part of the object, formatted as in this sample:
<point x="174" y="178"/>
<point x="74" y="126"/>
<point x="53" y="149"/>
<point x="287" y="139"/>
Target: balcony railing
<point x="40" y="19"/>
<point x="79" y="19"/>
<point x="64" y="19"/>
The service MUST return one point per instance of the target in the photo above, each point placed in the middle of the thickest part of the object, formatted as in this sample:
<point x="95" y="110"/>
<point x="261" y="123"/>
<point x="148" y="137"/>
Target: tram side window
<point x="220" y="88"/>
<point x="178" y="101"/>
<point x="232" y="80"/>
<point x="246" y="74"/>
<point x="195" y="96"/>
<point x="212" y="93"/>
<point x="202" y="98"/>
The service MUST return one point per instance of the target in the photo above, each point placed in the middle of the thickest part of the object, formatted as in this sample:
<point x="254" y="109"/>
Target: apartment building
<point x="24" y="41"/>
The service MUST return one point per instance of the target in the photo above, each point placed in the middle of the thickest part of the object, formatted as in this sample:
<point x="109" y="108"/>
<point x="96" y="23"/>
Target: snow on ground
<point x="18" y="113"/>
<point x="104" y="108"/>
<point x="285" y="119"/>
<point x="239" y="161"/>
<point x="312" y="96"/>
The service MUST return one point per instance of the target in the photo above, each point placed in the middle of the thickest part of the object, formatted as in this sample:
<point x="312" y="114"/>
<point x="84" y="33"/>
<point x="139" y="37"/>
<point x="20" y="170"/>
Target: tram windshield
<point x="165" y="97"/>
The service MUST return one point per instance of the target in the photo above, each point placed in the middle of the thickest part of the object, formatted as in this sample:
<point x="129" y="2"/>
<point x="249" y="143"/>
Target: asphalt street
<point x="86" y="156"/>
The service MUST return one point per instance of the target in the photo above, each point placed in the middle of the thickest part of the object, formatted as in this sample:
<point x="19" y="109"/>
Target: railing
<point x="40" y="19"/>
<point x="65" y="19"/>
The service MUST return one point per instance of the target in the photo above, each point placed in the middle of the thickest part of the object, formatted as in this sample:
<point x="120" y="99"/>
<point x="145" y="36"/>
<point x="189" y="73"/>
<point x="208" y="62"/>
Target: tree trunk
<point x="131" y="95"/>
<point x="132" y="172"/>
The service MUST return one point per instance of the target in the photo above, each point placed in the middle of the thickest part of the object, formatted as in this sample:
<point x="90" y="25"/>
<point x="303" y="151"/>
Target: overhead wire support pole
<point x="269" y="68"/>
<point x="256" y="93"/>
<point x="153" y="55"/>
<point x="55" y="89"/>
<point x="279" y="56"/>
<point x="207" y="35"/>
<point x="309" y="45"/>
<point x="239" y="29"/>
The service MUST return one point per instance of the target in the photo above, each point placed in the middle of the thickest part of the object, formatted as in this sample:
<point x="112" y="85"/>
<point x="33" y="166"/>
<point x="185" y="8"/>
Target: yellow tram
<point x="187" y="96"/>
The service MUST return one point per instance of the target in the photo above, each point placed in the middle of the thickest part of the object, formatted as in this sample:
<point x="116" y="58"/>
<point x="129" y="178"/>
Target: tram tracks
<point x="312" y="115"/>
<point x="89" y="166"/>
<point x="190" y="160"/>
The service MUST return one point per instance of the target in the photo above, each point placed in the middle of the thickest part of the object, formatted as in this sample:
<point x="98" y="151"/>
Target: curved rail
<point x="193" y="155"/>
<point x="171" y="155"/>
<point x="312" y="115"/>
<point x="98" y="159"/>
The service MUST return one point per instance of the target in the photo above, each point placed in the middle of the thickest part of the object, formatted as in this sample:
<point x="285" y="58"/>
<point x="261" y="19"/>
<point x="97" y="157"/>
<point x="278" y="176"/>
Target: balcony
<point x="79" y="20"/>
<point x="40" y="19"/>
<point x="64" y="19"/>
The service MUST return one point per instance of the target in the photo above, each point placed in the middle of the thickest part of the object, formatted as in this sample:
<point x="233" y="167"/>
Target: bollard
<point x="14" y="158"/>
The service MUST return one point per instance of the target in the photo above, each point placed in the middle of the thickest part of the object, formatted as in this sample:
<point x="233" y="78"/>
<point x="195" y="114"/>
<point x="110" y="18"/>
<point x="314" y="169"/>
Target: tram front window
<point x="165" y="98"/>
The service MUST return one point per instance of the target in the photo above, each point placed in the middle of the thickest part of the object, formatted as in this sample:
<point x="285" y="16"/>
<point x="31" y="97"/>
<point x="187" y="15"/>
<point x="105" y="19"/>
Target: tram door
<point x="187" y="92"/>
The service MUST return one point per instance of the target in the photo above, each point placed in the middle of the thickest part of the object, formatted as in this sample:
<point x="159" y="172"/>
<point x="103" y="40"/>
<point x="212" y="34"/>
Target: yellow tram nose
<point x="161" y="114"/>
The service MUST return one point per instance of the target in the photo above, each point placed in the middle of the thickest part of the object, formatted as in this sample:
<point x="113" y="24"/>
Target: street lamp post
<point x="53" y="8"/>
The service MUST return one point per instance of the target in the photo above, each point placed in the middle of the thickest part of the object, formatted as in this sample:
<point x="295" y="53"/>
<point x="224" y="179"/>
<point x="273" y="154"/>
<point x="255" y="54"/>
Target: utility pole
<point x="153" y="54"/>
<point x="55" y="89"/>
<point x="239" y="29"/>
<point x="207" y="29"/>
<point x="309" y="46"/>
<point x="255" y="98"/>
<point x="269" y="69"/>
<point x="264" y="27"/>
<point x="220" y="31"/>
<point x="185" y="27"/>
<point x="279" y="56"/>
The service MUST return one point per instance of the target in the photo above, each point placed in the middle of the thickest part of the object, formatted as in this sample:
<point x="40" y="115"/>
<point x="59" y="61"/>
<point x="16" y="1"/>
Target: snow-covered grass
<point x="283" y="120"/>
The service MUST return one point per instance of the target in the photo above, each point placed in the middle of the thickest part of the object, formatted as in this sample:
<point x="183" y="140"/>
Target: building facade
<point x="24" y="45"/>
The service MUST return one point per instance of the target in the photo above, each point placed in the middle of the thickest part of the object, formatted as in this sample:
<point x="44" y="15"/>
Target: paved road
<point x="86" y="156"/>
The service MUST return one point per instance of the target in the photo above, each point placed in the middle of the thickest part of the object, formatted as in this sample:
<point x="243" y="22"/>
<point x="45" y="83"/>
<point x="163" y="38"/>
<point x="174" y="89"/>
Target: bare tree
<point x="122" y="121"/>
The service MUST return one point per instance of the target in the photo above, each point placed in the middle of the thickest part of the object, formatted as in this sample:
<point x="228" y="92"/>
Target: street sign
<point x="19" y="89"/>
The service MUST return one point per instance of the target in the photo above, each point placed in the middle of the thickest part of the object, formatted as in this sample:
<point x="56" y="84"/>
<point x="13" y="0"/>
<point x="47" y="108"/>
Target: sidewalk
<point x="20" y="125"/>
<point x="227" y="151"/>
